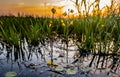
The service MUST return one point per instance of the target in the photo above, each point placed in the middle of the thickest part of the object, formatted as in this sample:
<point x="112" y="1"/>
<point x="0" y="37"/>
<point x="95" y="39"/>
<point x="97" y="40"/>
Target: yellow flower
<point x="54" y="64"/>
<point x="48" y="62"/>
<point x="63" y="24"/>
<point x="50" y="25"/>
<point x="71" y="23"/>
<point x="51" y="21"/>
<point x="62" y="21"/>
<point x="102" y="25"/>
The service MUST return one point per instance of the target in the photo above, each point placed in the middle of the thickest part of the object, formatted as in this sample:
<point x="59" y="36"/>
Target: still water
<point x="33" y="62"/>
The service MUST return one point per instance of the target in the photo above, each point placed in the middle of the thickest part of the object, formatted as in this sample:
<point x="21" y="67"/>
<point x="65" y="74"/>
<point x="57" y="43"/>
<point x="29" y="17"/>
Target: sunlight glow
<point x="43" y="8"/>
<point x="71" y="5"/>
<point x="104" y="3"/>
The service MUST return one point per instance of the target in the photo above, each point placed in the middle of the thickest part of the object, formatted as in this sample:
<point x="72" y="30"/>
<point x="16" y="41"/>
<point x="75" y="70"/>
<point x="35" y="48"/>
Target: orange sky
<point x="40" y="7"/>
<point x="29" y="10"/>
<point x="31" y="7"/>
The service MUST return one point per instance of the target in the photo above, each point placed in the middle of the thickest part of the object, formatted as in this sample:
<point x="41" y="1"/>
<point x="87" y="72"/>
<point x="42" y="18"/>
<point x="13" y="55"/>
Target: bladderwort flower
<point x="62" y="21"/>
<point x="50" y="24"/>
<point x="102" y="25"/>
<point x="63" y="24"/>
<point x="71" y="22"/>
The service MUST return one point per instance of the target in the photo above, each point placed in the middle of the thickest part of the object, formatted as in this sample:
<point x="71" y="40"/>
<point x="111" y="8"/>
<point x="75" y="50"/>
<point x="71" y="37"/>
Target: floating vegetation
<point x="11" y="74"/>
<point x="70" y="72"/>
<point x="59" y="69"/>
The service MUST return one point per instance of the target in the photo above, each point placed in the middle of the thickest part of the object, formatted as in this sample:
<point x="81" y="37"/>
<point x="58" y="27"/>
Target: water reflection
<point x="31" y="61"/>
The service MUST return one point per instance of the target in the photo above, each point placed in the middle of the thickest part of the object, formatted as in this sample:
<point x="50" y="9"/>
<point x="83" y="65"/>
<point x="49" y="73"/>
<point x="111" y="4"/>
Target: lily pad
<point x="55" y="64"/>
<point x="70" y="72"/>
<point x="59" y="69"/>
<point x="11" y="74"/>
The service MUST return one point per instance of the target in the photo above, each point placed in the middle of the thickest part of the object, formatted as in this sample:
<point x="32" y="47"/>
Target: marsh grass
<point x="96" y="34"/>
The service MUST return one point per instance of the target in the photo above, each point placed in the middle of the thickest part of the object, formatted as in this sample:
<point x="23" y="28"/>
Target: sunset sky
<point x="39" y="7"/>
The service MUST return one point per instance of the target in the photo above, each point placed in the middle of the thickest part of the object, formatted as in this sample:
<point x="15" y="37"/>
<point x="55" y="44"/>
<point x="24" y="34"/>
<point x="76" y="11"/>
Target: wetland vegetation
<point x="44" y="45"/>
